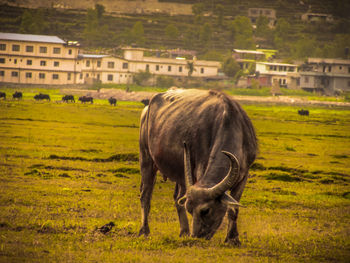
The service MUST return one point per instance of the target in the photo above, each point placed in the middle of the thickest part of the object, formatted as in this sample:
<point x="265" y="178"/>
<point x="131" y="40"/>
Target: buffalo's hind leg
<point x="148" y="179"/>
<point x="181" y="211"/>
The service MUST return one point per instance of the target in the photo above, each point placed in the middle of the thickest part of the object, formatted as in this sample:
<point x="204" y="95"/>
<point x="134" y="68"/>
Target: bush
<point x="165" y="82"/>
<point x="142" y="77"/>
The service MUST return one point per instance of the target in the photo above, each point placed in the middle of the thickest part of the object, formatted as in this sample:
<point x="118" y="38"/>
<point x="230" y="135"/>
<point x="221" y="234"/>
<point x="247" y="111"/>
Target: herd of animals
<point x="67" y="98"/>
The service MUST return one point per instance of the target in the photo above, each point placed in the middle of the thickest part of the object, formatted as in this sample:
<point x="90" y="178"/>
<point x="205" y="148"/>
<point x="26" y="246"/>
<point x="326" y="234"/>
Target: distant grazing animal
<point x="3" y="95"/>
<point x="204" y="142"/>
<point x="41" y="96"/>
<point x="84" y="99"/>
<point x="303" y="112"/>
<point x="68" y="98"/>
<point x="17" y="95"/>
<point x="112" y="101"/>
<point x="145" y="102"/>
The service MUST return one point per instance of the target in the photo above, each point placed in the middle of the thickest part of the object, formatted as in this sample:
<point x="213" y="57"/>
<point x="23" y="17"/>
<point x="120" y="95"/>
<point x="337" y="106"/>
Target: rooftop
<point x="31" y="38"/>
<point x="249" y="51"/>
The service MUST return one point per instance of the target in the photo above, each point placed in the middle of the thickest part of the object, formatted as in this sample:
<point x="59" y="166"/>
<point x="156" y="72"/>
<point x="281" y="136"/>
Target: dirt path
<point x="138" y="96"/>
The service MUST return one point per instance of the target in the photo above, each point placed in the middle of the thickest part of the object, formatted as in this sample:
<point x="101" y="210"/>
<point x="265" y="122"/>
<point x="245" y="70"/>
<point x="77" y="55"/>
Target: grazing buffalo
<point x="205" y="143"/>
<point x="17" y="95"/>
<point x="303" y="112"/>
<point x="112" y="101"/>
<point x="145" y="102"/>
<point x="3" y="95"/>
<point x="68" y="98"/>
<point x="84" y="99"/>
<point x="41" y="96"/>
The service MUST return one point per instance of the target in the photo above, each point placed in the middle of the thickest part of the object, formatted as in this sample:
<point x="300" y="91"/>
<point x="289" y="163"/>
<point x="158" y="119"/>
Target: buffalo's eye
<point x="204" y="212"/>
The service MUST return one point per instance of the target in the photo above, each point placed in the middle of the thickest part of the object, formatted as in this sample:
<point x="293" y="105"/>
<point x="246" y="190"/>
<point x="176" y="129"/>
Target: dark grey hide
<point x="220" y="145"/>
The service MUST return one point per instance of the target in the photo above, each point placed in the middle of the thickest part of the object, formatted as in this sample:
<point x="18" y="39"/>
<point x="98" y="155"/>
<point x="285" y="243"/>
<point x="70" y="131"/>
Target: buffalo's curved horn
<point x="229" y="179"/>
<point x="187" y="166"/>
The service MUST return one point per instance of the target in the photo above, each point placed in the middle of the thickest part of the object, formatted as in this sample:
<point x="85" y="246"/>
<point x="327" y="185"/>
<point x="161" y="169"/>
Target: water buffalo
<point x="84" y="99"/>
<point x="112" y="101"/>
<point x="220" y="145"/>
<point x="68" y="98"/>
<point x="17" y="95"/>
<point x="3" y="95"/>
<point x="145" y="102"/>
<point x="303" y="112"/>
<point x="41" y="96"/>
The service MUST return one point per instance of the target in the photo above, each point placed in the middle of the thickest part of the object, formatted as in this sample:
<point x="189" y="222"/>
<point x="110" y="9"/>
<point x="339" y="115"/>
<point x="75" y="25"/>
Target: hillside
<point x="203" y="33"/>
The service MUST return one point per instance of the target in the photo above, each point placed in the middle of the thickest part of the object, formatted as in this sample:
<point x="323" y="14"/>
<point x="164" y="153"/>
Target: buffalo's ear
<point x="182" y="200"/>
<point x="230" y="201"/>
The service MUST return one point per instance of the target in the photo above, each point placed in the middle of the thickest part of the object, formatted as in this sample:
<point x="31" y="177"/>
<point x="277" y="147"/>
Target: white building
<point x="37" y="59"/>
<point x="281" y="72"/>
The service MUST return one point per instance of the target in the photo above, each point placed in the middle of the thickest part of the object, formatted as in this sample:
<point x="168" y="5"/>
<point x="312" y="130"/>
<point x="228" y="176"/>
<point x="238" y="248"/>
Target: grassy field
<point x="68" y="169"/>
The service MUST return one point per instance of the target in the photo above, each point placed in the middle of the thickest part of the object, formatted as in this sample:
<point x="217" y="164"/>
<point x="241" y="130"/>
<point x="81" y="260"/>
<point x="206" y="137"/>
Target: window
<point x="2" y="60"/>
<point x="43" y="49"/>
<point x="306" y="79"/>
<point x="98" y="77"/>
<point x="29" y="75"/>
<point x="15" y="47"/>
<point x="14" y="74"/>
<point x="169" y="68"/>
<point x="56" y="50"/>
<point x="180" y="69"/>
<point x="70" y="52"/>
<point x="56" y="64"/>
<point x="99" y="63"/>
<point x="329" y="68"/>
<point x="87" y="75"/>
<point x="29" y="62"/>
<point x="2" y="46"/>
<point x="81" y="75"/>
<point x="69" y="76"/>
<point x="110" y="64"/>
<point x="202" y="70"/>
<point x="147" y="67"/>
<point x="157" y="67"/>
<point x="88" y="63"/>
<point x="2" y="73"/>
<point x="54" y="76"/>
<point x="41" y="75"/>
<point x="110" y="77"/>
<point x="29" y="48"/>
<point x="125" y="65"/>
<point x="15" y="61"/>
<point x="340" y="67"/>
<point x="42" y="63"/>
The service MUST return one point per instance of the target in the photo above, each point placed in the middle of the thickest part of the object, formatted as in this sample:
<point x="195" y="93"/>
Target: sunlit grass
<point x="67" y="169"/>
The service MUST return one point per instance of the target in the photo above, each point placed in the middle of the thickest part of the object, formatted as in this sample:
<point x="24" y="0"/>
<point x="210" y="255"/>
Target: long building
<point x="39" y="59"/>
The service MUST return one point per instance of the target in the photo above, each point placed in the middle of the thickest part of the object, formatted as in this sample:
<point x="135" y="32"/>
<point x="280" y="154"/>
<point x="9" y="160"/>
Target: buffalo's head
<point x="208" y="205"/>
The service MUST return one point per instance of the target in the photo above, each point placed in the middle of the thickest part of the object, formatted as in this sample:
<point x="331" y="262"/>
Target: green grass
<point x="67" y="169"/>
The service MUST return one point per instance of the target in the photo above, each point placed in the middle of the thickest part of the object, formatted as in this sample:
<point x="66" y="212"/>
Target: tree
<point x="171" y="31"/>
<point x="219" y="12"/>
<point x="137" y="33"/>
<point x="212" y="55"/>
<point x="205" y="34"/>
<point x="100" y="9"/>
<point x="191" y="69"/>
<point x="197" y="10"/>
<point x="243" y="32"/>
<point x="231" y="67"/>
<point x="262" y="27"/>
<point x="33" y="22"/>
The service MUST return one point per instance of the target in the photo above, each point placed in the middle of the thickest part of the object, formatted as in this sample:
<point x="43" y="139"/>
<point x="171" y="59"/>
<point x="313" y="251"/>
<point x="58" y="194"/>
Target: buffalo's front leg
<point x="181" y="211"/>
<point x="232" y="215"/>
<point x="148" y="173"/>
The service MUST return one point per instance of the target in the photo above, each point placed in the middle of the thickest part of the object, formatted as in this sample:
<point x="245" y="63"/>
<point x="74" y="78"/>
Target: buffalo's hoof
<point x="144" y="231"/>
<point x="233" y="241"/>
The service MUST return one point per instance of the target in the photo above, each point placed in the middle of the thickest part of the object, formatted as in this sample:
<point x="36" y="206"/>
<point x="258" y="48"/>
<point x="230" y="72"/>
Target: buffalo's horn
<point x="230" y="178"/>
<point x="187" y="165"/>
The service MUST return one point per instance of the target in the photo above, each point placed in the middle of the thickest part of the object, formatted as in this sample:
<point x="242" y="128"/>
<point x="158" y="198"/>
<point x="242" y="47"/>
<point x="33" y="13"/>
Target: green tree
<point x="219" y="12"/>
<point x="100" y="10"/>
<point x="304" y="47"/>
<point x="212" y="55"/>
<point x="262" y="26"/>
<point x="230" y="67"/>
<point x="205" y="34"/>
<point x="198" y="10"/>
<point x="32" y="22"/>
<point x="137" y="33"/>
<point x="243" y="32"/>
<point x="190" y="67"/>
<point x="171" y="31"/>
